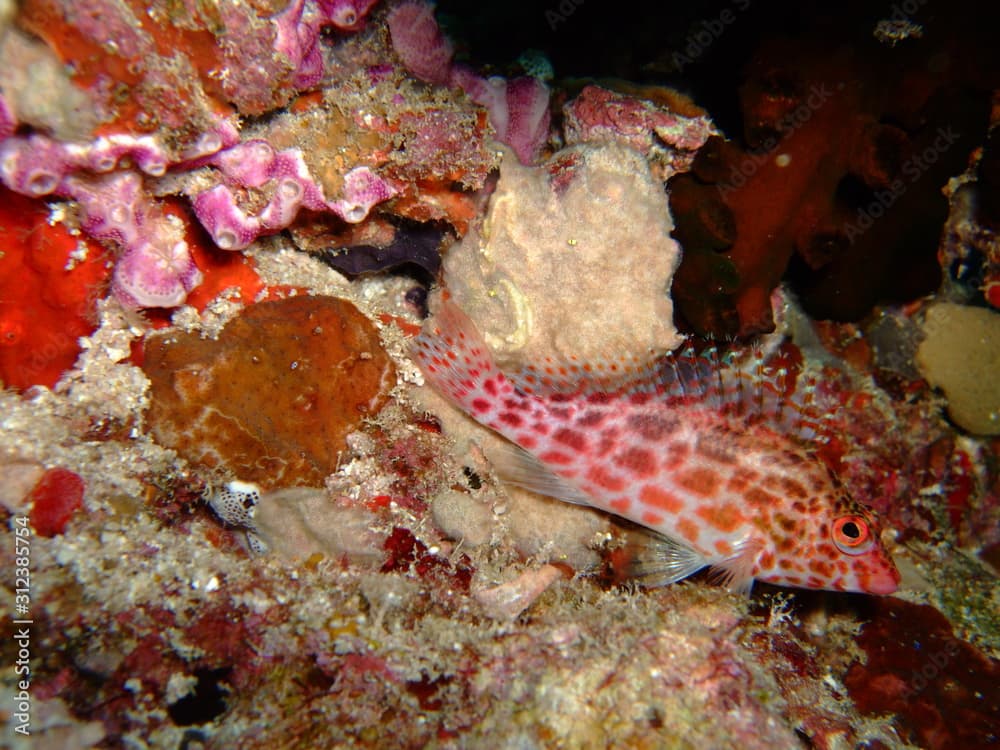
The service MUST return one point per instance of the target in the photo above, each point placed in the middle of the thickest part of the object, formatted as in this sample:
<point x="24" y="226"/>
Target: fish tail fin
<point x="455" y="360"/>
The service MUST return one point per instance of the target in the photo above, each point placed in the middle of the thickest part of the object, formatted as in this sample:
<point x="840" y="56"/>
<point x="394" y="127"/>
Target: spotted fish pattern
<point x="709" y="456"/>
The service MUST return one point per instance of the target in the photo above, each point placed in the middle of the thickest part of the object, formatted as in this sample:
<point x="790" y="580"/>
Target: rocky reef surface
<point x="236" y="517"/>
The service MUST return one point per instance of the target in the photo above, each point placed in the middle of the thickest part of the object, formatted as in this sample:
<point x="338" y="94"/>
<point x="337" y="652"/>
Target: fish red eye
<point x="852" y="535"/>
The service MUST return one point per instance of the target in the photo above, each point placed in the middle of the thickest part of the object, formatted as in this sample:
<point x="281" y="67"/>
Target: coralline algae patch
<point x="272" y="399"/>
<point x="50" y="280"/>
<point x="942" y="688"/>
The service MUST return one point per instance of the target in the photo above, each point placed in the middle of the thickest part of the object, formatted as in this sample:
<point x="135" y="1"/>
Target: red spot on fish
<point x="570" y="438"/>
<point x="725" y="517"/>
<point x="651" y="519"/>
<point x="592" y="418"/>
<point x="541" y="428"/>
<point x="723" y="547"/>
<point x="527" y="441"/>
<point x="609" y="440"/>
<point x="699" y="481"/>
<point x="480" y="405"/>
<point x="766" y="561"/>
<point x="688" y="529"/>
<point x="741" y="480"/>
<point x="490" y="386"/>
<point x="556" y="457"/>
<point x="600" y="398"/>
<point x="785" y="523"/>
<point x="676" y="457"/>
<point x="793" y="488"/>
<point x="639" y="461"/>
<point x="604" y="478"/>
<point x="621" y="504"/>
<point x="761" y="498"/>
<point x="660" y="498"/>
<point x="821" y="567"/>
<point x="650" y="426"/>
<point x="512" y="420"/>
<point x="638" y="399"/>
<point x="828" y="551"/>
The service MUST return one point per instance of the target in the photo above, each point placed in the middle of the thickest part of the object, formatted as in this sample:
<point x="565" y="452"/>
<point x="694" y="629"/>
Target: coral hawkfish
<point x="711" y="457"/>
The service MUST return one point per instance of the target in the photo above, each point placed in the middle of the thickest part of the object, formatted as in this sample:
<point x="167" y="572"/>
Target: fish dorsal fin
<point x="519" y="468"/>
<point x="658" y="560"/>
<point x="736" y="571"/>
<point x="749" y="385"/>
<point x="620" y="375"/>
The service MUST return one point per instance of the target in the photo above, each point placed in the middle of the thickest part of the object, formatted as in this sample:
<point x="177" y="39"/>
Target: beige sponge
<point x="961" y="356"/>
<point x="574" y="258"/>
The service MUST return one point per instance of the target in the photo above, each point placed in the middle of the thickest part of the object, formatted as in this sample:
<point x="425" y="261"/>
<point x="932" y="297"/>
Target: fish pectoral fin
<point x="516" y="466"/>
<point x="736" y="571"/>
<point x="658" y="560"/>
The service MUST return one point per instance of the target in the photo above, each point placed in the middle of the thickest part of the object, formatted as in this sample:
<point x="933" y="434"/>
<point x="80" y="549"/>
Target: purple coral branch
<point x="156" y="268"/>
<point x="518" y="109"/>
<point x="284" y="176"/>
<point x="346" y="15"/>
<point x="7" y="119"/>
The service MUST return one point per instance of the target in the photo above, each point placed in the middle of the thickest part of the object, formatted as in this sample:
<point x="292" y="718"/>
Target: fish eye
<point x="852" y="535"/>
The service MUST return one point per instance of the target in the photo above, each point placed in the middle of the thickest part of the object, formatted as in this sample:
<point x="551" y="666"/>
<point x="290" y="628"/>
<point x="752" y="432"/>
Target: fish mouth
<point x="884" y="580"/>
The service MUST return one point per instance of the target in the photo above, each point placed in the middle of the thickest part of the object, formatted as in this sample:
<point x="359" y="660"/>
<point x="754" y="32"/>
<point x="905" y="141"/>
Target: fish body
<point x="699" y="452"/>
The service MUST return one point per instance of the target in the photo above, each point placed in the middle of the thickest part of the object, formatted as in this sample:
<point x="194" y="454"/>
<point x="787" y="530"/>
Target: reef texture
<point x="831" y="178"/>
<point x="250" y="525"/>
<point x="163" y="105"/>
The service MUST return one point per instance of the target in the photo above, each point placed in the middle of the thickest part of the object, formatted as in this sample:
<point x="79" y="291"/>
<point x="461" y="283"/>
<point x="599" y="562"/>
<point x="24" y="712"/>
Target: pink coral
<point x="284" y="176"/>
<point x="418" y="41"/>
<point x="346" y="15"/>
<point x="156" y="268"/>
<point x="155" y="274"/>
<point x="673" y="139"/>
<point x="518" y="109"/>
<point x="7" y="119"/>
<point x="363" y="189"/>
<point x="297" y="38"/>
